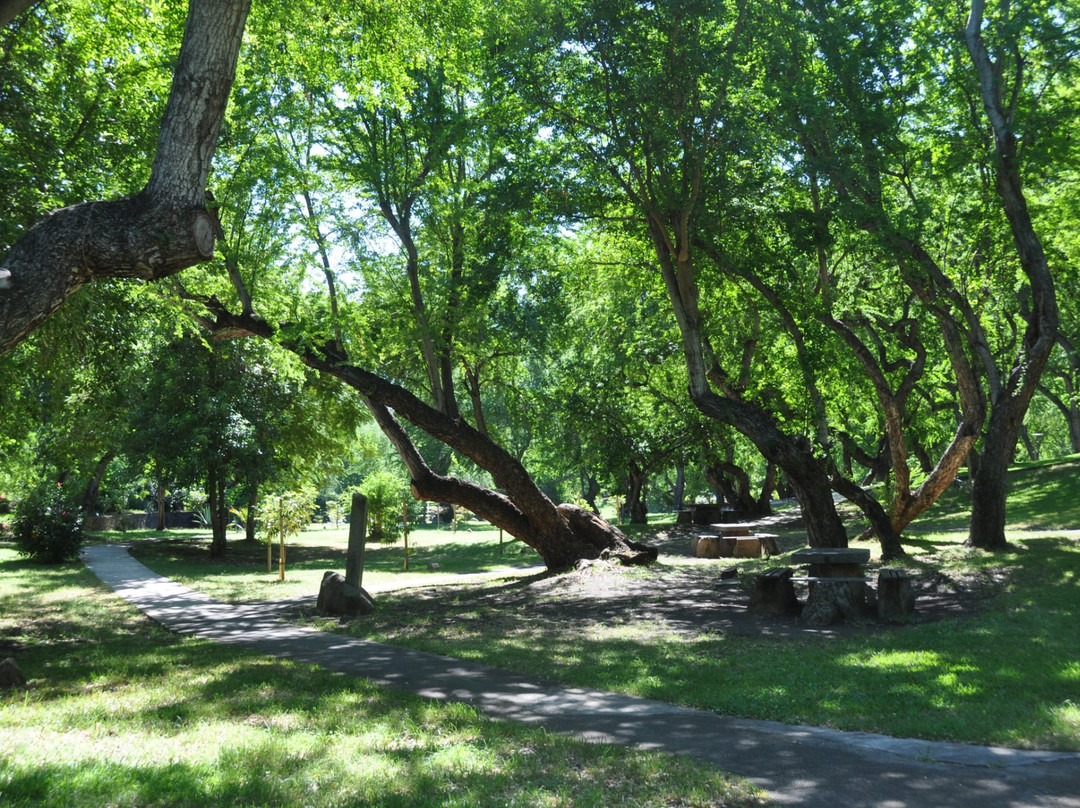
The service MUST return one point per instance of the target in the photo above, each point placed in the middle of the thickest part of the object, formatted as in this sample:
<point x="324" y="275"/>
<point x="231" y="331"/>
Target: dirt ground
<point x="680" y="594"/>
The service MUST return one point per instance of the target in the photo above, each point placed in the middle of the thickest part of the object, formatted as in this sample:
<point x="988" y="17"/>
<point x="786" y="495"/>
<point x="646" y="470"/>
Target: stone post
<point x="354" y="565"/>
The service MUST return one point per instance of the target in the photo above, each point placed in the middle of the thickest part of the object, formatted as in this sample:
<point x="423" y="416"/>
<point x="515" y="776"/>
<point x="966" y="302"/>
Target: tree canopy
<point x="548" y="247"/>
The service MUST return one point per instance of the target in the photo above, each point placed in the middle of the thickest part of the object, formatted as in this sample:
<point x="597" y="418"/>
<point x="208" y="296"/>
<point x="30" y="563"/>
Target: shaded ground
<point x="678" y="595"/>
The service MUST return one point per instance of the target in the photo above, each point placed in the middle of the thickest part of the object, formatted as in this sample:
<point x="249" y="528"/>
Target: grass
<point x="1008" y="674"/>
<point x="119" y="712"/>
<point x="435" y="556"/>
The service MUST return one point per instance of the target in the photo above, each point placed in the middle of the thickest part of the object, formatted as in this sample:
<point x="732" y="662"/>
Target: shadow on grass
<point x="1003" y="671"/>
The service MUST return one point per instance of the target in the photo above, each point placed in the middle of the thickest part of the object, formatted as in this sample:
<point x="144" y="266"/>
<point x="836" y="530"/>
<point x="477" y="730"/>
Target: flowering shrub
<point x="47" y="526"/>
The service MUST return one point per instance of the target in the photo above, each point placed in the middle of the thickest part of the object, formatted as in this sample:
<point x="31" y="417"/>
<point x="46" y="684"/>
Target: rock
<point x="338" y="598"/>
<point x="10" y="674"/>
<point x="829" y="603"/>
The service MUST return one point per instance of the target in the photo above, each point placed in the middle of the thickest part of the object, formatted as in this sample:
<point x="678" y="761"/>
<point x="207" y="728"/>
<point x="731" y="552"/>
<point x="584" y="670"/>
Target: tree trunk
<point x="161" y="503"/>
<point x="636" y="493"/>
<point x="252" y="512"/>
<point x="679" y="492"/>
<point x="215" y="489"/>
<point x="10" y="9"/>
<point x="93" y="487"/>
<point x="562" y="535"/>
<point x="590" y="488"/>
<point x="161" y="230"/>
<point x="768" y="486"/>
<point x="990" y="485"/>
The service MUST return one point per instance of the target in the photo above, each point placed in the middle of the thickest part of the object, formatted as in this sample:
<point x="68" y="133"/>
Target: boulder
<point x="341" y="599"/>
<point x="10" y="674"/>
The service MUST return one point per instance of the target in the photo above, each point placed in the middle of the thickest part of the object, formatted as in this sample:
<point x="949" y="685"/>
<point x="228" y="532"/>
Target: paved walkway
<point x="803" y="766"/>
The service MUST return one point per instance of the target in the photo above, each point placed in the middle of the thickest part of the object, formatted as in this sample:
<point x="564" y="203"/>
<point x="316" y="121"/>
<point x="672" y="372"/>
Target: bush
<point x="48" y="526"/>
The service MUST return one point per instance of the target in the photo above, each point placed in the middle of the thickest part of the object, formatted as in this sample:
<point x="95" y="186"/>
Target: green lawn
<point x="435" y="556"/>
<point x="1008" y="674"/>
<point x="118" y="712"/>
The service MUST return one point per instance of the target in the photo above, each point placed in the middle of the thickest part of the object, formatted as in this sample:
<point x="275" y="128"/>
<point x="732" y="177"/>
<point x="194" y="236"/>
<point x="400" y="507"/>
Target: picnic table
<point x="734" y="539"/>
<point x="834" y="565"/>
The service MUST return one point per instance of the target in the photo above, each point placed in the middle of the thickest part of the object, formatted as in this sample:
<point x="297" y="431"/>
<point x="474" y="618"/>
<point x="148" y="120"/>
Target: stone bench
<point x="711" y="546"/>
<point x="895" y="597"/>
<point x="773" y="592"/>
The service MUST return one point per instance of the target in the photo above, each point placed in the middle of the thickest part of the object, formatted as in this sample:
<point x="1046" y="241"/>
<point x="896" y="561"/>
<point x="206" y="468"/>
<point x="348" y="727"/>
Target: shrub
<point x="48" y="526"/>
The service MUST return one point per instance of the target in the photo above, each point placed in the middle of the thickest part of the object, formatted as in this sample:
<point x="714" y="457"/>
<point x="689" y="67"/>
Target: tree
<point x="652" y="99"/>
<point x="162" y="229"/>
<point x="416" y="145"/>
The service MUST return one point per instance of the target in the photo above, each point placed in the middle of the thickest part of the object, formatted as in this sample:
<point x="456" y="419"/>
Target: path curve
<point x="800" y="766"/>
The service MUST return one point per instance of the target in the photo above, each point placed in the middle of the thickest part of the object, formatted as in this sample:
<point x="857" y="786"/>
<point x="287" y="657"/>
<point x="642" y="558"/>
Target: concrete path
<point x="803" y="766"/>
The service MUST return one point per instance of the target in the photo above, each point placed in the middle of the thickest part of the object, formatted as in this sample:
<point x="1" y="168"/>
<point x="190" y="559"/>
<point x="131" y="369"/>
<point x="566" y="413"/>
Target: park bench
<point x="773" y="592"/>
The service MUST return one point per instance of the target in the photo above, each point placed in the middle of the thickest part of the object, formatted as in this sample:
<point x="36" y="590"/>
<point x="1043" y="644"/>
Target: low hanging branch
<point x="561" y="534"/>
<point x="163" y="229"/>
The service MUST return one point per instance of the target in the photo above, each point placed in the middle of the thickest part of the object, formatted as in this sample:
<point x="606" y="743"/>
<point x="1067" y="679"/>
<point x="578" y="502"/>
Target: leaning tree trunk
<point x="793" y="453"/>
<point x="159" y="231"/>
<point x="562" y="535"/>
<point x="93" y="487"/>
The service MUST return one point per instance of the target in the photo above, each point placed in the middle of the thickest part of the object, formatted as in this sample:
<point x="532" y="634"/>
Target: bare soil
<point x="677" y="595"/>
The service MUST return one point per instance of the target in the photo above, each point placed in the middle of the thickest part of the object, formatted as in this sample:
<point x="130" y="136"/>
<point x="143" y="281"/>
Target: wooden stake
<point x="405" y="525"/>
<point x="281" y="531"/>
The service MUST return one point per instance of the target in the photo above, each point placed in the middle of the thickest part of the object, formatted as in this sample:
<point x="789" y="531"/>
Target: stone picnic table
<point x="734" y="540"/>
<point x="842" y="564"/>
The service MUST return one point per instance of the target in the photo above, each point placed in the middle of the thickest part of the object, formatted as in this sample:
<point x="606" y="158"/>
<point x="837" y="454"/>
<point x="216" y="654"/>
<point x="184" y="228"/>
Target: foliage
<point x="385" y="492"/>
<point x="48" y="525"/>
<point x="286" y="514"/>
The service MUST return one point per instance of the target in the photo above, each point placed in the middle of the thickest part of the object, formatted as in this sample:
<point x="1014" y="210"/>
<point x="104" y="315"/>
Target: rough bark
<point x="1008" y="407"/>
<point x="10" y="9"/>
<point x="159" y="231"/>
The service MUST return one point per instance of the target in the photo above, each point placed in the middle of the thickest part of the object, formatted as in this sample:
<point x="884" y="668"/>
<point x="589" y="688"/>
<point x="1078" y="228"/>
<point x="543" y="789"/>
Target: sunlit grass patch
<point x="119" y="712"/>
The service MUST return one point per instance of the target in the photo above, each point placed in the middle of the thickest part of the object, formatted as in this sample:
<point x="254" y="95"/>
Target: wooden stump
<point x="748" y="547"/>
<point x="707" y="547"/>
<point x="896" y="598"/>
<point x="774" y="593"/>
